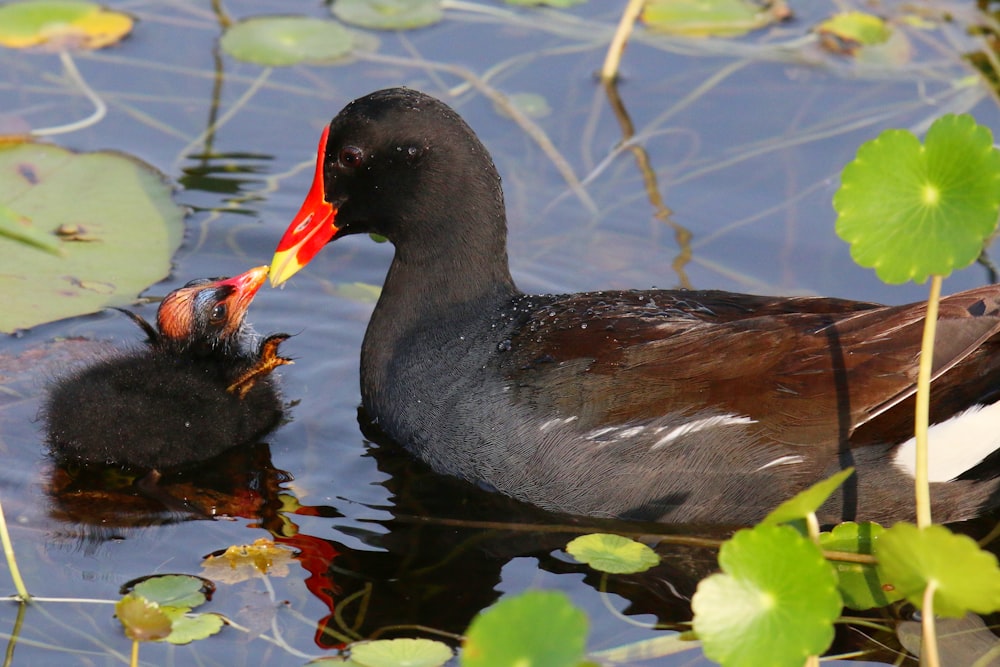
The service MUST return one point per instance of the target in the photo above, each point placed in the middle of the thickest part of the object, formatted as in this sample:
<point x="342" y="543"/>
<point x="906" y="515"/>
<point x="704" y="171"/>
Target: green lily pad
<point x="182" y="591"/>
<point x="278" y="41"/>
<point x="64" y="23"/>
<point x="612" y="553"/>
<point x="774" y="604"/>
<point x="717" y="18"/>
<point x="534" y="628"/>
<point x="911" y="210"/>
<point x="186" y="628"/>
<point x="126" y="230"/>
<point x="859" y="583"/>
<point x="849" y="31"/>
<point x="966" y="577"/>
<point x="401" y="653"/>
<point x="388" y="14"/>
<point x="143" y="620"/>
<point x="808" y="501"/>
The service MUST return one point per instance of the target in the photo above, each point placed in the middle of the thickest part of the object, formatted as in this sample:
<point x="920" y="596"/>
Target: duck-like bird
<point x="686" y="406"/>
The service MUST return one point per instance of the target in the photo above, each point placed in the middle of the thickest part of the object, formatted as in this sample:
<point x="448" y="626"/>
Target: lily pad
<point x="911" y="210"/>
<point x="534" y="628"/>
<point x="143" y="620"/>
<point x="62" y="23"/>
<point x="248" y="561"/>
<point x="20" y="229"/>
<point x="859" y="583"/>
<point x="966" y="578"/>
<point x="186" y="628"/>
<point x="279" y="41"/>
<point x="182" y="591"/>
<point x="847" y="32"/>
<point x="388" y="14"/>
<point x="132" y="229"/>
<point x="774" y="604"/>
<point x="612" y="553"/>
<point x="808" y="501"/>
<point x="715" y="18"/>
<point x="401" y="652"/>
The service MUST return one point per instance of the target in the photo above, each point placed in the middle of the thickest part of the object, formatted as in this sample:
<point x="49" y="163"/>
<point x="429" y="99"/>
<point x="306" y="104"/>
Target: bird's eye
<point x="351" y="156"/>
<point x="218" y="313"/>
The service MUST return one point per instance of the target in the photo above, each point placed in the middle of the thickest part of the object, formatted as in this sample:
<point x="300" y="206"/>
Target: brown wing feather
<point x="807" y="370"/>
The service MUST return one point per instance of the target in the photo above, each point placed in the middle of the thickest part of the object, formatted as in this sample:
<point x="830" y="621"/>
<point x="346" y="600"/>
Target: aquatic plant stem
<point x="921" y="481"/>
<point x="100" y="108"/>
<point x="928" y="647"/>
<point x="613" y="60"/>
<point x="134" y="661"/>
<point x="8" y="552"/>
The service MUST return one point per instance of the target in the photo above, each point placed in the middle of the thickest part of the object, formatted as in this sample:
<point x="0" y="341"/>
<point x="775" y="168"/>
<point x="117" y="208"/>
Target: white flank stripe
<point x="782" y="461"/>
<point x="955" y="445"/>
<point x="700" y="425"/>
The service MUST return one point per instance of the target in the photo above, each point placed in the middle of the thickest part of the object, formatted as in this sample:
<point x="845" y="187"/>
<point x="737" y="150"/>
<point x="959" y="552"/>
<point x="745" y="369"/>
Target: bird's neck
<point x="448" y="286"/>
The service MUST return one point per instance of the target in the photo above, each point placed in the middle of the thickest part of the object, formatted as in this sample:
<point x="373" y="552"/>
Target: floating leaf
<point x="186" y="628"/>
<point x="134" y="229"/>
<point x="859" y="585"/>
<point x="808" y="501"/>
<point x="277" y="41"/>
<point x="532" y="105"/>
<point x="143" y="620"/>
<point x="19" y="228"/>
<point x="246" y="561"/>
<point x="401" y="653"/>
<point x="966" y="577"/>
<point x="909" y="210"/>
<point x="182" y="591"/>
<point x="612" y="553"/>
<point x="849" y="31"/>
<point x="388" y="14"/>
<point x="534" y="628"/>
<point x="63" y="23"/>
<point x="703" y="18"/>
<point x="961" y="641"/>
<point x="774" y="605"/>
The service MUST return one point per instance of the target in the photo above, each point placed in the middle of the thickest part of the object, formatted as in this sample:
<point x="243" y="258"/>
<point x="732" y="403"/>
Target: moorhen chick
<point x="680" y="406"/>
<point x="200" y="386"/>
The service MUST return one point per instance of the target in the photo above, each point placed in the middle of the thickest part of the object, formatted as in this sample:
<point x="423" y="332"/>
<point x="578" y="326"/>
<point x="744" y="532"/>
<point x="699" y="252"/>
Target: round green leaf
<point x="701" y="18"/>
<point x="859" y="583"/>
<point x="966" y="577"/>
<point x="808" y="501"/>
<point x="774" y="605"/>
<point x="63" y="22"/>
<point x="401" y="653"/>
<point x="388" y="14"/>
<point x="277" y="41"/>
<point x="115" y="221"/>
<point x="186" y="628"/>
<point x="612" y="553"/>
<point x="909" y="211"/>
<point x="534" y="628"/>
<point x="182" y="591"/>
<point x="858" y="28"/>
<point x="143" y="620"/>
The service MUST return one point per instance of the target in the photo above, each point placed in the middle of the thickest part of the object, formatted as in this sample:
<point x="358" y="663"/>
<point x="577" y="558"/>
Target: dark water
<point x="748" y="166"/>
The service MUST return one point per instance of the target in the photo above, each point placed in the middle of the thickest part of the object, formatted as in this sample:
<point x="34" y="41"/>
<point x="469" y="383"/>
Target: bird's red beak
<point x="310" y="230"/>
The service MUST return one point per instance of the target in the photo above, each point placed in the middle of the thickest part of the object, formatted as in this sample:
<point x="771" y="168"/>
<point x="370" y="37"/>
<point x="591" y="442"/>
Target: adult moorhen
<point x="200" y="386"/>
<point x="694" y="406"/>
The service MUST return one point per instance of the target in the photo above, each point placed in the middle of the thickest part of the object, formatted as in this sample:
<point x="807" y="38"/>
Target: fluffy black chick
<point x="201" y="385"/>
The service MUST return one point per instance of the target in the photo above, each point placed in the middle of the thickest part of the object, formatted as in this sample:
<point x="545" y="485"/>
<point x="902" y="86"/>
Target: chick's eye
<point x="351" y="156"/>
<point x="218" y="313"/>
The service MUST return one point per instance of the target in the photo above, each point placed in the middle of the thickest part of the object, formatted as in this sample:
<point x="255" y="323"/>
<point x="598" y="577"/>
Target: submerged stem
<point x="8" y="552"/>
<point x="929" y="648"/>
